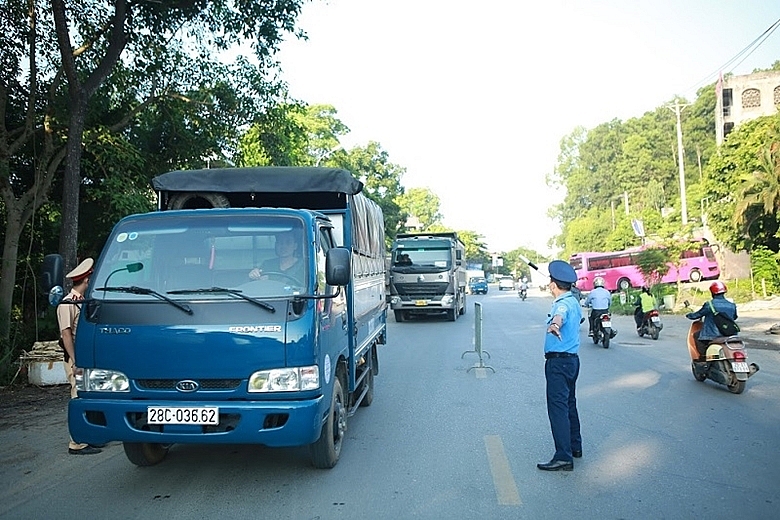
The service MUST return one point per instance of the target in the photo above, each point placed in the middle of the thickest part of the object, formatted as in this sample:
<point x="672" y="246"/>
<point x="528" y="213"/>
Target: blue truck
<point x="177" y="342"/>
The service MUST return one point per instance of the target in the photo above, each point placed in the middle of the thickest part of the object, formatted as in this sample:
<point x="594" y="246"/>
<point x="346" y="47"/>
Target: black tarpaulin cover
<point x="270" y="179"/>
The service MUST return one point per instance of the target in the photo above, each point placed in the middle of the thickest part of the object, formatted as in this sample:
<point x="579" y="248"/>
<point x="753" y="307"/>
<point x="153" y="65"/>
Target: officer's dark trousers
<point x="561" y="375"/>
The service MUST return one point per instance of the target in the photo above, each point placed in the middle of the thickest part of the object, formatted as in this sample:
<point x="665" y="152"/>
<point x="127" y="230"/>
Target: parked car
<point x="478" y="285"/>
<point x="506" y="282"/>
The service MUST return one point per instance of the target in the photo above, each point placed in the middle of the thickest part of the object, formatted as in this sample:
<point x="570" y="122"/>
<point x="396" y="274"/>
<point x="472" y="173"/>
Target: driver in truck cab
<point x="288" y="259"/>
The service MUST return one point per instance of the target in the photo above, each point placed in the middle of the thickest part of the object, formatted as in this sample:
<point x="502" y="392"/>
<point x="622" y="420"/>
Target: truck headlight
<point x="395" y="300"/>
<point x="99" y="380"/>
<point x="447" y="299"/>
<point x="292" y="379"/>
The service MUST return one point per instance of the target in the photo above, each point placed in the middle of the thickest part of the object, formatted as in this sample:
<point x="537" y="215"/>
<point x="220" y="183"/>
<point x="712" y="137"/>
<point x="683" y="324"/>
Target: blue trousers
<point x="561" y="375"/>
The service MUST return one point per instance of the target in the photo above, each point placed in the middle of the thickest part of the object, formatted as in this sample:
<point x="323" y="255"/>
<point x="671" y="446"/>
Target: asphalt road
<point x="445" y="440"/>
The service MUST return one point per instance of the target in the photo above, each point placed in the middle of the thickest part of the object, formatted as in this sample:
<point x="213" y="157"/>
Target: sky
<point x="473" y="98"/>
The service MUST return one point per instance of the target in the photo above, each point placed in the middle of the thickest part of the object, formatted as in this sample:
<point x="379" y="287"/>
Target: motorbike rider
<point x="721" y="305"/>
<point x="598" y="300"/>
<point x="645" y="303"/>
<point x="523" y="285"/>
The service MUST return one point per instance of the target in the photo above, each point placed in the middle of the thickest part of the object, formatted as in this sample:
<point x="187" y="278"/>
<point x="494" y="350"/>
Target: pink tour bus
<point x="619" y="270"/>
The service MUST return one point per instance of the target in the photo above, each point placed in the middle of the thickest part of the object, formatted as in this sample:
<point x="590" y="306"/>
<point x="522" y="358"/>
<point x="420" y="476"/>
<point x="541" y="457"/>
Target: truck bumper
<point x="437" y="304"/>
<point x="271" y="423"/>
<point x="422" y="307"/>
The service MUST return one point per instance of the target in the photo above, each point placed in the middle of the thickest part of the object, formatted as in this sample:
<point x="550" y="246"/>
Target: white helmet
<point x="598" y="282"/>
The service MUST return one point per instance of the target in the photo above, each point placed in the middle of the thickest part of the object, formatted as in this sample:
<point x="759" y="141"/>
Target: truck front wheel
<point x="399" y="316"/>
<point x="145" y="453"/>
<point x="326" y="450"/>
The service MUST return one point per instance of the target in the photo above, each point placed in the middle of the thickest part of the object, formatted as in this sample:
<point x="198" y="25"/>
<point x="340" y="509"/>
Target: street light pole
<point x="677" y="108"/>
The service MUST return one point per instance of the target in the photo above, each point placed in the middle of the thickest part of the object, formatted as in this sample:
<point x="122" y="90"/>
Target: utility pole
<point x="677" y="109"/>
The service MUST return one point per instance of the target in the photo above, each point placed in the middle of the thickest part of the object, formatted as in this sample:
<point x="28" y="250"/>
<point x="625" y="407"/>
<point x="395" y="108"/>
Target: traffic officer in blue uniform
<point x="562" y="366"/>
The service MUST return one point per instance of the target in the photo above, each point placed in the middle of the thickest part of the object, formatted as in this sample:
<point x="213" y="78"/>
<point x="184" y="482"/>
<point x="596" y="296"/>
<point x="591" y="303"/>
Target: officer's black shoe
<point x="576" y="454"/>
<point x="557" y="465"/>
<point x="89" y="450"/>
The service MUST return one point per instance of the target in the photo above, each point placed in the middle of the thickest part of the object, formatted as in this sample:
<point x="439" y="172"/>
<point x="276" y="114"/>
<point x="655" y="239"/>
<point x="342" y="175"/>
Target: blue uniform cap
<point x="562" y="271"/>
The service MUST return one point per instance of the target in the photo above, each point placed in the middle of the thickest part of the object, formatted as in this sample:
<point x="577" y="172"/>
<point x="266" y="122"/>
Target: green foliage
<point x="382" y="180"/>
<point x="742" y="182"/>
<point x="423" y="204"/>
<point x="623" y="309"/>
<point x="653" y="264"/>
<point x="147" y="92"/>
<point x="276" y="138"/>
<point x="476" y="250"/>
<point x="514" y="263"/>
<point x="630" y="163"/>
<point x="765" y="266"/>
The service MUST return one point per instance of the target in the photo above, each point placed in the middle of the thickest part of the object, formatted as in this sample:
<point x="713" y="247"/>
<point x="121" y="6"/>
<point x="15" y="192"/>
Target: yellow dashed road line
<point x="506" y="489"/>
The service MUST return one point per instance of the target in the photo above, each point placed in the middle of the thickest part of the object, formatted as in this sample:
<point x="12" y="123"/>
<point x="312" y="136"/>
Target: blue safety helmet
<point x="562" y="271"/>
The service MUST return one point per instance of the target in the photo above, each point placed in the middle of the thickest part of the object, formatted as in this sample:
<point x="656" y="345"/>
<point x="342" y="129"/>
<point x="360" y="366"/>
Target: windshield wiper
<point x="143" y="290"/>
<point x="222" y="290"/>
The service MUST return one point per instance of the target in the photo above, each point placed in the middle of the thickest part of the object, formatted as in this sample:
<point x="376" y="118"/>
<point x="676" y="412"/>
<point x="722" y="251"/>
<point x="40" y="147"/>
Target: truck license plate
<point x="421" y="303"/>
<point x="740" y="366"/>
<point x="183" y="415"/>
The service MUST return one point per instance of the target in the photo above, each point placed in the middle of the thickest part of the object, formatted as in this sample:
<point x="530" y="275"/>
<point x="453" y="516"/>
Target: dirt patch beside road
<point x="18" y="403"/>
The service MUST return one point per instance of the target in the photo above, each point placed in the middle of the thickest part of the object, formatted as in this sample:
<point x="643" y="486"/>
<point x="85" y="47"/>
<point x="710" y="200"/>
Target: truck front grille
<point x="422" y="291"/>
<point x="205" y="384"/>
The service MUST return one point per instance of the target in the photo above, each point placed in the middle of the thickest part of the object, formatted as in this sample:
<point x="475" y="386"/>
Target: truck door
<point x="332" y="312"/>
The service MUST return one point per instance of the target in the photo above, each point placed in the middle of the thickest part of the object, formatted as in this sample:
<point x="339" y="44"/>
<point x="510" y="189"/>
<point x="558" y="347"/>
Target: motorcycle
<point x="522" y="293"/>
<point x="724" y="360"/>
<point x="602" y="330"/>
<point x="651" y="325"/>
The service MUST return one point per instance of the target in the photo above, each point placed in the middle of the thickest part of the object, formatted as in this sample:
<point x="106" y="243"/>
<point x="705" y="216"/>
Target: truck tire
<point x="145" y="453"/>
<point x="399" y="316"/>
<point x="452" y="315"/>
<point x="198" y="200"/>
<point x="463" y="309"/>
<point x="326" y="450"/>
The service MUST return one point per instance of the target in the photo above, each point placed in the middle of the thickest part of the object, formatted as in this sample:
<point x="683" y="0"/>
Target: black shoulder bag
<point x="726" y="325"/>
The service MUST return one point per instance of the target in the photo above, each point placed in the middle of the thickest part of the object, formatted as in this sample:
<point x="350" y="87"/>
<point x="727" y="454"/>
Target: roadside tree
<point x="60" y="59"/>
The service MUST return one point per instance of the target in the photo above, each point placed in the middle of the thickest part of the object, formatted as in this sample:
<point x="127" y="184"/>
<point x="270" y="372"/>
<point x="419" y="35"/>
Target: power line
<point x="747" y="51"/>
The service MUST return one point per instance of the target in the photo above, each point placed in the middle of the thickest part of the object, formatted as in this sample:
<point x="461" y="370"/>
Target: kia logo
<point x="187" y="386"/>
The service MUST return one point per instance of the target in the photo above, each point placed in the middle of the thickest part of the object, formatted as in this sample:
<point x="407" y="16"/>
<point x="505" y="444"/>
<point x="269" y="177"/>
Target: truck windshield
<point x="177" y="256"/>
<point x="423" y="257"/>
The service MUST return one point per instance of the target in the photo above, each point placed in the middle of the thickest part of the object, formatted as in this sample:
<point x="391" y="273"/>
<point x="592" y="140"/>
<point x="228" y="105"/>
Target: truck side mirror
<point x="51" y="272"/>
<point x="51" y="278"/>
<point x="338" y="270"/>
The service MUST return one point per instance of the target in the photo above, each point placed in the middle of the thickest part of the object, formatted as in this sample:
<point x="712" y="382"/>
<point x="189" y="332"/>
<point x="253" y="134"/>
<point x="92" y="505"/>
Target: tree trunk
<point x="13" y="232"/>
<point x="71" y="187"/>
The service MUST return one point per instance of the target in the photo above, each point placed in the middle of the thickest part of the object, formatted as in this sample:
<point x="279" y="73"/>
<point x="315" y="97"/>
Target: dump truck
<point x="428" y="275"/>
